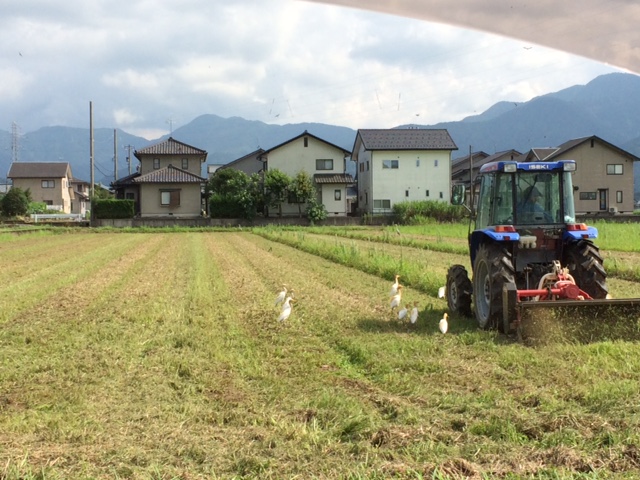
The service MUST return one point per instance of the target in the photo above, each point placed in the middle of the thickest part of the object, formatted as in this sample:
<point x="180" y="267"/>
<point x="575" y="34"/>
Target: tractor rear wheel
<point x="584" y="262"/>
<point x="459" y="290"/>
<point x="491" y="270"/>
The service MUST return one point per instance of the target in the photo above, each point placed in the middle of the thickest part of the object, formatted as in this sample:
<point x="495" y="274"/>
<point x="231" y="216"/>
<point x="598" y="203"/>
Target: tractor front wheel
<point x="491" y="270"/>
<point x="459" y="290"/>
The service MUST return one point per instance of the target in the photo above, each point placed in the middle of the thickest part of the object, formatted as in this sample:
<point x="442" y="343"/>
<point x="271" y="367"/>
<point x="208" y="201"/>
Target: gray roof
<point x="169" y="174"/>
<point x="39" y="170"/>
<point x="169" y="147"/>
<point x="333" y="178"/>
<point x="406" y="139"/>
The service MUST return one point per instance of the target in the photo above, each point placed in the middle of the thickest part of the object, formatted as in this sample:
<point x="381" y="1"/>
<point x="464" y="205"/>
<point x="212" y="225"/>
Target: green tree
<point x="303" y="189"/>
<point x="15" y="202"/>
<point x="232" y="193"/>
<point x="276" y="185"/>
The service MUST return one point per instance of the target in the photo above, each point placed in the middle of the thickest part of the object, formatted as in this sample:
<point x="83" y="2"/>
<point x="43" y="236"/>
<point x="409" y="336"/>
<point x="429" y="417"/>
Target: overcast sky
<point x="152" y="65"/>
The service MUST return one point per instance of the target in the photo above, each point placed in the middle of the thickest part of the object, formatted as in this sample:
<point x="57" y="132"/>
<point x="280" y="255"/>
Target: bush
<point x="316" y="212"/>
<point x="225" y="206"/>
<point x="411" y="213"/>
<point x="15" y="203"/>
<point x="37" y="207"/>
<point x="110" y="208"/>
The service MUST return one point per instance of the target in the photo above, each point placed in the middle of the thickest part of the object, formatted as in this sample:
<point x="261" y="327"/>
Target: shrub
<point x="111" y="208"/>
<point x="409" y="213"/>
<point x="15" y="203"/>
<point x="316" y="211"/>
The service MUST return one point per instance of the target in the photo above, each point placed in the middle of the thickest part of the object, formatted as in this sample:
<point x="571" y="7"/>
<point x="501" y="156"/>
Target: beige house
<point x="248" y="164"/>
<point x="81" y="192"/>
<point x="168" y="181"/>
<point x="397" y="165"/>
<point x="323" y="161"/>
<point x="48" y="182"/>
<point x="603" y="181"/>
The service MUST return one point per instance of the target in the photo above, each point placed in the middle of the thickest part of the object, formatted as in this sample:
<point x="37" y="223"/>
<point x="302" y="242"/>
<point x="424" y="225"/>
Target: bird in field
<point x="281" y="296"/>
<point x="441" y="292"/>
<point x="286" y="309"/>
<point x="414" y="313"/>
<point x="402" y="313"/>
<point x="444" y="324"/>
<point x="394" y="286"/>
<point x="397" y="298"/>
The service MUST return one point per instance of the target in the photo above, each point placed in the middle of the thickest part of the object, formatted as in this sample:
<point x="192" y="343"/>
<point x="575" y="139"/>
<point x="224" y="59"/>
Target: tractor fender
<point x="574" y="235"/>
<point x="489" y="235"/>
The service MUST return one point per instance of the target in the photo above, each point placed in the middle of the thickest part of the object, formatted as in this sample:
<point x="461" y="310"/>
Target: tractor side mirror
<point x="458" y="195"/>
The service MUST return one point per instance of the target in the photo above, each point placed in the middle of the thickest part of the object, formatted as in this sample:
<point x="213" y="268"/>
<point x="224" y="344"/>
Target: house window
<point x="362" y="167"/>
<point x="588" y="195"/>
<point x="406" y="193"/>
<point x="156" y="163"/>
<point x="366" y="198"/>
<point x="48" y="202"/>
<point x="48" y="183"/>
<point x="367" y="165"/>
<point x="619" y="196"/>
<point x="185" y="164"/>
<point x="427" y="193"/>
<point x="324" y="164"/>
<point x="435" y="163"/>
<point x="382" y="204"/>
<point x="418" y="162"/>
<point x="170" y="198"/>
<point x="441" y="195"/>
<point x="130" y="196"/>
<point x="389" y="164"/>
<point x="337" y="195"/>
<point x="614" y="169"/>
<point x="306" y="142"/>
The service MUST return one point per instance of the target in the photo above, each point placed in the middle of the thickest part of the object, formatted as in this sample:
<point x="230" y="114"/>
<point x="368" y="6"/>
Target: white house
<point x="398" y="165"/>
<point x="323" y="161"/>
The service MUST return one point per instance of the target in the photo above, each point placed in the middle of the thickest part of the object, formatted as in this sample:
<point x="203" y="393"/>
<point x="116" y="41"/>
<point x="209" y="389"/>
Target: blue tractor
<point x="526" y="248"/>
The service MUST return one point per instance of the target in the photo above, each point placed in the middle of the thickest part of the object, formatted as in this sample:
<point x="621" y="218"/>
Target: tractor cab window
<point x="539" y="198"/>
<point x="503" y="202"/>
<point x="485" y="202"/>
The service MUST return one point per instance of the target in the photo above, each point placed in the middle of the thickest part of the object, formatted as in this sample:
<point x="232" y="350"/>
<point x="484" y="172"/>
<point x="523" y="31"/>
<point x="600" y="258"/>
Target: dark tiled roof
<point x="169" y="147"/>
<point x="169" y="174"/>
<point x="128" y="180"/>
<point x="407" y="139"/>
<point x="333" y="178"/>
<point x="39" y="170"/>
<point x="305" y="134"/>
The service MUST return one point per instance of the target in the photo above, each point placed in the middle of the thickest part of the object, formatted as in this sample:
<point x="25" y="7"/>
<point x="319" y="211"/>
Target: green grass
<point x="159" y="356"/>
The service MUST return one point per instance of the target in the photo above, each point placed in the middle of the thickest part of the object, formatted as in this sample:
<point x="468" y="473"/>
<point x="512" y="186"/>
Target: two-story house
<point x="397" y="165"/>
<point x="81" y="192"/>
<point x="168" y="181"/>
<point x="323" y="161"/>
<point x="603" y="179"/>
<point x="48" y="182"/>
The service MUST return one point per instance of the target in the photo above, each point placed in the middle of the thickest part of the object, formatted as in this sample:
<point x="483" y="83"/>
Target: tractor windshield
<point x="526" y="198"/>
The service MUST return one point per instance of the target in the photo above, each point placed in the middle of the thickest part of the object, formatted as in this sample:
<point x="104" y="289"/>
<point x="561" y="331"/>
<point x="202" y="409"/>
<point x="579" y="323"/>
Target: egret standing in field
<point x="403" y="313"/>
<point x="286" y="309"/>
<point x="444" y="324"/>
<point x="414" y="313"/>
<point x="397" y="298"/>
<point x="281" y="296"/>
<point x="394" y="286"/>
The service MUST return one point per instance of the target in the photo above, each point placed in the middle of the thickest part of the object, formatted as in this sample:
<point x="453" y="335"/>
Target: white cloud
<point x="278" y="61"/>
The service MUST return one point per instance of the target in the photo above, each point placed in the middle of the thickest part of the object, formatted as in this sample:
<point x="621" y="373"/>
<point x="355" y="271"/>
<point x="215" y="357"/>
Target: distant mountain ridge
<point x="608" y="106"/>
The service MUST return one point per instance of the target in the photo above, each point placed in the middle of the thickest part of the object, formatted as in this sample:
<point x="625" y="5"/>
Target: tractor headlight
<point x="510" y="167"/>
<point x="569" y="166"/>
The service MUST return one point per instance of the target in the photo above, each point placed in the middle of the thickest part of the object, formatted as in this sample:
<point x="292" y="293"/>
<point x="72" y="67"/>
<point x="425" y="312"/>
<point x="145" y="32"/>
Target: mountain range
<point x="608" y="106"/>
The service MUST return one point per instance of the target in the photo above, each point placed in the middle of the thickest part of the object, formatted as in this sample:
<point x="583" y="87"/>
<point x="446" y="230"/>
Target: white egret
<point x="281" y="296"/>
<point x="444" y="325"/>
<point x="286" y="309"/>
<point x="414" y="313"/>
<point x="402" y="313"/>
<point x="394" y="287"/>
<point x="397" y="298"/>
<point x="441" y="292"/>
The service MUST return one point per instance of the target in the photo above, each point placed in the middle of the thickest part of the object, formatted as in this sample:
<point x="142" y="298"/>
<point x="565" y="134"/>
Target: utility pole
<point x="129" y="147"/>
<point x="115" y="155"/>
<point x="91" y="149"/>
<point x="15" y="142"/>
